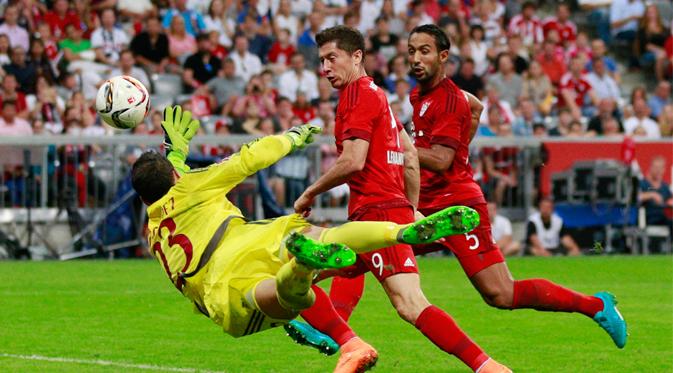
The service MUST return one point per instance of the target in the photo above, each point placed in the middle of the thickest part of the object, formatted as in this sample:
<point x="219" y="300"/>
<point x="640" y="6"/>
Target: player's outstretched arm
<point x="351" y="160"/>
<point x="179" y="129"/>
<point x="412" y="171"/>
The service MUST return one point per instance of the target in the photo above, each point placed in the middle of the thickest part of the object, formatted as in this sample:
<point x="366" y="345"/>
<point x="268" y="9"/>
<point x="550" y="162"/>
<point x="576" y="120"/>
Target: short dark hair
<point x="441" y="40"/>
<point x="8" y="103"/>
<point x="346" y="38"/>
<point x="152" y="176"/>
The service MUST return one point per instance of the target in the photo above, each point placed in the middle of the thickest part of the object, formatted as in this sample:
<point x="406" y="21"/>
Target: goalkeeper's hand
<point x="179" y="129"/>
<point x="302" y="135"/>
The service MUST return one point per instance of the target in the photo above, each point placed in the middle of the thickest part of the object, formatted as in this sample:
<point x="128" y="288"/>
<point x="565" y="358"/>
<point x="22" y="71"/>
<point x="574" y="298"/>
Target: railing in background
<point x="84" y="176"/>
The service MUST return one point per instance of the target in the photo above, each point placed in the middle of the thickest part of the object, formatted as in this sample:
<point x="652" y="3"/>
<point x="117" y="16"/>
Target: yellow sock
<point x="293" y="286"/>
<point x="363" y="236"/>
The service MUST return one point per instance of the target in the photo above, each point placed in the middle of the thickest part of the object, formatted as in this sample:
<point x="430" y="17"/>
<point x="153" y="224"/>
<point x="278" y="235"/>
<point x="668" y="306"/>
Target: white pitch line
<point x="100" y="362"/>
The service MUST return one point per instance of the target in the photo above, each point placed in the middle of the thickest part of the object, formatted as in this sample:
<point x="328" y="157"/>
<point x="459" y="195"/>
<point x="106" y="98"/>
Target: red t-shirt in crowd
<point x="363" y="113"/>
<point x="442" y="116"/>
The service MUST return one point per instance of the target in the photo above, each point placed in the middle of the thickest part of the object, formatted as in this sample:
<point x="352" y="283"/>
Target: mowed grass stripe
<point x="127" y="311"/>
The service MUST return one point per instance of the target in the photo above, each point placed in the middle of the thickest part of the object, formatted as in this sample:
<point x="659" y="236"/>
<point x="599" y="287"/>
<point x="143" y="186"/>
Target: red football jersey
<point x="442" y="116"/>
<point x="363" y="113"/>
<point x="580" y="86"/>
<point x="567" y="30"/>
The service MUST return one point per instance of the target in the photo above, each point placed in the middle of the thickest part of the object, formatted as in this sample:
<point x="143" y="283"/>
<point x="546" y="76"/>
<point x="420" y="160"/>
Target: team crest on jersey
<point x="425" y="107"/>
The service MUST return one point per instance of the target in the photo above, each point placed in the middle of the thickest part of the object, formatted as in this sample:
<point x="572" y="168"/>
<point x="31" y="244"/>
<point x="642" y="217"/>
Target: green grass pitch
<point x="120" y="316"/>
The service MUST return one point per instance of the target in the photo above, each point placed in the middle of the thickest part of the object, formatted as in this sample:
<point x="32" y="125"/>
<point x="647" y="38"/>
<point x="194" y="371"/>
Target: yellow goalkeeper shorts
<point x="248" y="254"/>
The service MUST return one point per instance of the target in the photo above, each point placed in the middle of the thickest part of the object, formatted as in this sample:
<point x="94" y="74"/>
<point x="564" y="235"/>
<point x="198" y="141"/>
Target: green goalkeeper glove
<point x="300" y="136"/>
<point x="179" y="129"/>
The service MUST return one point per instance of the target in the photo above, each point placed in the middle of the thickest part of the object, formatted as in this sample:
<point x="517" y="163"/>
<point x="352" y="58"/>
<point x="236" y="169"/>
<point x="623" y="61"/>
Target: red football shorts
<point x="388" y="261"/>
<point x="475" y="250"/>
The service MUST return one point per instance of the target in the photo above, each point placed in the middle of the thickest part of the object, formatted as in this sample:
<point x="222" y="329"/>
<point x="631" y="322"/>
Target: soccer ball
<point x="122" y="102"/>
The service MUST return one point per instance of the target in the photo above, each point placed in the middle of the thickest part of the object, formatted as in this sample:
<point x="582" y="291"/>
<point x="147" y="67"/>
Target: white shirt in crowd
<point x="500" y="227"/>
<point x="549" y="237"/>
<point x="246" y="65"/>
<point x="289" y="83"/>
<point x="622" y="9"/>
<point x="650" y="126"/>
<point x="112" y="42"/>
<point x="604" y="86"/>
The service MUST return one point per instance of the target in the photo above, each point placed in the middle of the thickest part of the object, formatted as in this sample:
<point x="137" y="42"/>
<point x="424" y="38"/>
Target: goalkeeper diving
<point x="248" y="276"/>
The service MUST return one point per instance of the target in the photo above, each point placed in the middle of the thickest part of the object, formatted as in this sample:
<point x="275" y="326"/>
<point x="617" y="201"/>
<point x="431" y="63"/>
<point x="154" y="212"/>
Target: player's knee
<point x="409" y="307"/>
<point x="498" y="298"/>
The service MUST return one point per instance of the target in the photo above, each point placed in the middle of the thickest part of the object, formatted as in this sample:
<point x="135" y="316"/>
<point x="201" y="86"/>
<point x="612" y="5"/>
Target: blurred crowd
<point x="251" y="66"/>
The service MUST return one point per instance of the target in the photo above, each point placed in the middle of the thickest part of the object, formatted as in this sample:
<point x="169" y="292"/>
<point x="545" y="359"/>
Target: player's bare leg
<point x="499" y="289"/>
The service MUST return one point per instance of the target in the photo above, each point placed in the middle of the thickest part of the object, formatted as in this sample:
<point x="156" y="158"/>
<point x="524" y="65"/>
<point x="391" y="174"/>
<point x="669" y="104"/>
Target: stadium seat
<point x="644" y="232"/>
<point x="159" y="102"/>
<point x="167" y="84"/>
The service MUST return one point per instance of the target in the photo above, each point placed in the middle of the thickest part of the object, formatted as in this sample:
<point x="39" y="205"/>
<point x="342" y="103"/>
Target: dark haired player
<point x="445" y="121"/>
<point x="378" y="161"/>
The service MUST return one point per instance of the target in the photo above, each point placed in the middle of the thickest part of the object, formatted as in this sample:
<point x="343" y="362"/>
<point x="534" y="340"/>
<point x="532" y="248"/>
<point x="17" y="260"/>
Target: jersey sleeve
<point x="361" y="114"/>
<point x="448" y="123"/>
<point x="252" y="157"/>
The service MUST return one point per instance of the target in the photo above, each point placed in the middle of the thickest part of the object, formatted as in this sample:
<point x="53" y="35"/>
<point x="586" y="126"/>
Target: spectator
<point x="298" y="79"/>
<point x="373" y="68"/>
<point x="325" y="115"/>
<point x="607" y="109"/>
<point x="575" y="92"/>
<point x="136" y="10"/>
<point x="546" y="235"/>
<point x="538" y="88"/>
<point x="666" y="121"/>
<point x="127" y="67"/>
<point x="611" y="128"/>
<point x="59" y="17"/>
<point x="247" y="64"/>
<point x="562" y="24"/>
<point x="576" y="129"/>
<point x="527" y="25"/>
<point x="624" y="17"/>
<point x="89" y="18"/>
<point x="224" y="89"/>
<point x="552" y="64"/>
<point x="506" y="80"/>
<point x="11" y="92"/>
<point x="523" y="124"/>
<point x="302" y="108"/>
<point x="254" y="92"/>
<point x="640" y="122"/>
<point x="45" y="105"/>
<point x="397" y="69"/>
<point x="284" y="113"/>
<point x="489" y="15"/>
<point x="11" y="125"/>
<point x="192" y="19"/>
<point x="281" y="51"/>
<point x="306" y="43"/>
<point x="599" y="16"/>
<point x="478" y="50"/>
<point x="325" y="92"/>
<point x="655" y="195"/>
<point x="493" y="100"/>
<point x="660" y="98"/>
<point x="5" y="50"/>
<point x="598" y="50"/>
<point x="218" y="20"/>
<point x="181" y="44"/>
<point x="151" y="47"/>
<point x="38" y="58"/>
<point x="218" y="50"/>
<point x="601" y="82"/>
<point x="401" y="94"/>
<point x="18" y="36"/>
<point x="383" y="41"/>
<point x="259" y="42"/>
<point x="79" y="58"/>
<point x="284" y="19"/>
<point x="501" y="167"/>
<point x="540" y="130"/>
<point x="489" y="126"/>
<point x="501" y="230"/>
<point x="395" y="12"/>
<point x="467" y="80"/>
<point x="200" y="67"/>
<point x="564" y="120"/>
<point x="24" y="72"/>
<point x="652" y="35"/>
<point x="107" y="40"/>
<point x="517" y="53"/>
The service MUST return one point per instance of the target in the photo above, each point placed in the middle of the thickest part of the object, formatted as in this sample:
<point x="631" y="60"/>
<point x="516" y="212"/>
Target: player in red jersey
<point x="378" y="161"/>
<point x="444" y="124"/>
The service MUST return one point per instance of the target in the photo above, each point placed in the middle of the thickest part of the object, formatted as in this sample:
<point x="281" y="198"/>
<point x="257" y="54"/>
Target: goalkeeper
<point x="248" y="276"/>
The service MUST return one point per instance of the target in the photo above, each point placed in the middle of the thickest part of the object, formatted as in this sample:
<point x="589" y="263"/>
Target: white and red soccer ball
<point x="122" y="102"/>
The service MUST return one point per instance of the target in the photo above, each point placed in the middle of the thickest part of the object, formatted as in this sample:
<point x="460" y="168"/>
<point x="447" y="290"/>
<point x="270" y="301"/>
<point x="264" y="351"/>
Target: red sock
<point x="544" y="295"/>
<point x="325" y="318"/>
<point x="345" y="294"/>
<point x="440" y="328"/>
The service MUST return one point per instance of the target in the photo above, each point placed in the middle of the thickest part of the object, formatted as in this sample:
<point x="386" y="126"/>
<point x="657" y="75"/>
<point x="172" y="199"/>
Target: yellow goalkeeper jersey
<point x="183" y="221"/>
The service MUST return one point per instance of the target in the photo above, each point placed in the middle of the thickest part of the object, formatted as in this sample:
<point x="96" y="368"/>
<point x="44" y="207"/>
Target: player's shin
<point x="293" y="286"/>
<point x="363" y="236"/>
